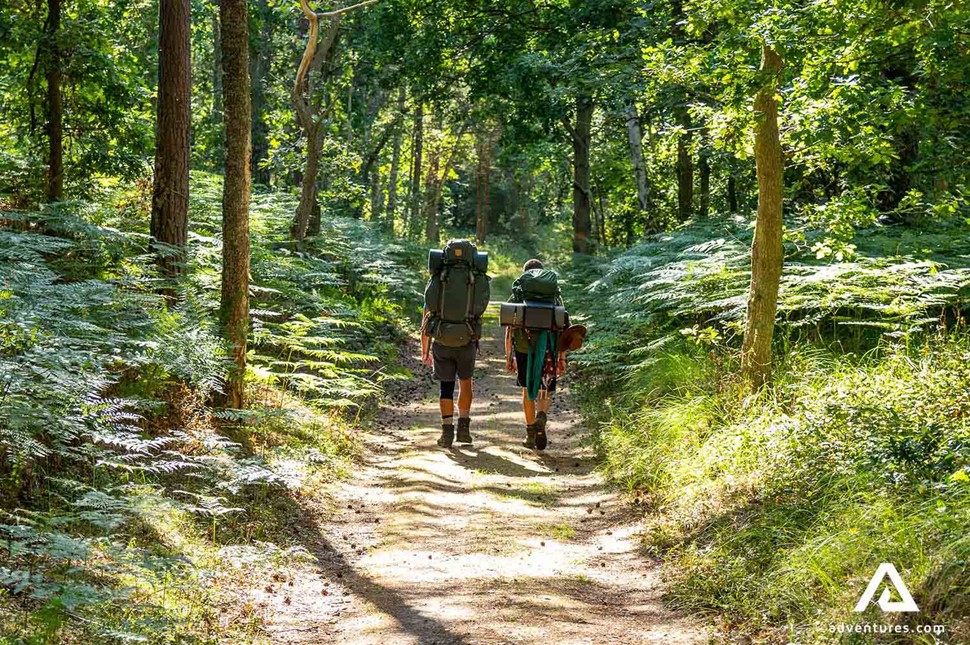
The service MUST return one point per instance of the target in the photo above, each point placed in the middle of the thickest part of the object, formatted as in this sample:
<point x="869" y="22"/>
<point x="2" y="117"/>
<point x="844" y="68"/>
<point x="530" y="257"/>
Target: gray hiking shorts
<point x="453" y="362"/>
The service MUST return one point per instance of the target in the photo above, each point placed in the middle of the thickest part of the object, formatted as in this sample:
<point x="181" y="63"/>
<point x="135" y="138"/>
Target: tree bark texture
<point x="216" y="115"/>
<point x="236" y="193"/>
<point x="390" y="210"/>
<point x="766" y="249"/>
<point x="685" y="169"/>
<point x="416" y="166"/>
<point x="732" y="193"/>
<point x="485" y="143"/>
<point x="704" y="172"/>
<point x="582" y="203"/>
<point x="635" y="137"/>
<point x="431" y="232"/>
<point x="170" y="194"/>
<point x="261" y="54"/>
<point x="55" y="109"/>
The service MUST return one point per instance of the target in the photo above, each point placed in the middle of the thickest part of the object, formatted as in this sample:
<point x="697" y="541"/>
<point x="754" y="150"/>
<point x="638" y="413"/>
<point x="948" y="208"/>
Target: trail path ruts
<point x="486" y="544"/>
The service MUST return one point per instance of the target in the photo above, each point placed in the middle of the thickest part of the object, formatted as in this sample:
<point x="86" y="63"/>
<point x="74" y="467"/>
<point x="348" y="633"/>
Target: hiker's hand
<point x="426" y="359"/>
<point x="510" y="364"/>
<point x="561" y="367"/>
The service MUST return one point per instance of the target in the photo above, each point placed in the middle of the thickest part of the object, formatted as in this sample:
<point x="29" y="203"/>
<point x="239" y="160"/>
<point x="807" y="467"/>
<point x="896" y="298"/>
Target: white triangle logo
<point x="886" y="569"/>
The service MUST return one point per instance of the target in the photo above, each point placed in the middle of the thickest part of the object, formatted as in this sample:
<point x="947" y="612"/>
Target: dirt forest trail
<point x="486" y="544"/>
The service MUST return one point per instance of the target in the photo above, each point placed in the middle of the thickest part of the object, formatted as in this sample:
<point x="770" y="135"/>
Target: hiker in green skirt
<point x="533" y="355"/>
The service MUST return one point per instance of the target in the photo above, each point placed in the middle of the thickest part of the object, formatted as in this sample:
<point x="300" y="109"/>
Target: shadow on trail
<point x="336" y="566"/>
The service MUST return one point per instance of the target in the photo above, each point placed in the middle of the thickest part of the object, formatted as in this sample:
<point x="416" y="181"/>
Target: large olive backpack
<point x="457" y="293"/>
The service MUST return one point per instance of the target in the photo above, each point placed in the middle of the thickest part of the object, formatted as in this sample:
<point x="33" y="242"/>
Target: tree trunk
<point x="704" y="170"/>
<point x="431" y="232"/>
<point x="316" y="220"/>
<point x="390" y="210"/>
<point x="766" y="249"/>
<point x="685" y="168"/>
<point x="601" y="218"/>
<point x="376" y="197"/>
<point x="216" y="115"/>
<point x="416" y="165"/>
<point x="732" y="192"/>
<point x="170" y="196"/>
<point x="55" y="111"/>
<point x="635" y="136"/>
<point x="261" y="56"/>
<point x="483" y="187"/>
<point x="581" y="195"/>
<point x="308" y="187"/>
<point x="311" y="114"/>
<point x="236" y="192"/>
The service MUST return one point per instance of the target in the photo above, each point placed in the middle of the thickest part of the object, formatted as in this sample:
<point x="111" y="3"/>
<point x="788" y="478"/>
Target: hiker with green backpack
<point x="534" y="318"/>
<point x="454" y="301"/>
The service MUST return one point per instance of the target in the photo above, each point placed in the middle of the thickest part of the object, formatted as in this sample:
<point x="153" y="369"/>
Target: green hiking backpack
<point x="457" y="293"/>
<point x="538" y="285"/>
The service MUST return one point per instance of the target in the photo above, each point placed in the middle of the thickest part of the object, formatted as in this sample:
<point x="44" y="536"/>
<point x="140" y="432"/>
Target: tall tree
<point x="217" y="115"/>
<point x="582" y="199"/>
<point x="485" y="141"/>
<point x="417" y="149"/>
<point x="170" y="195"/>
<point x="236" y="192"/>
<point x="704" y="174"/>
<point x="635" y="138"/>
<point x="55" y="110"/>
<point x="261" y="57"/>
<point x="431" y="232"/>
<point x="311" y="112"/>
<point x="436" y="184"/>
<point x="766" y="249"/>
<point x="685" y="167"/>
<point x="390" y="210"/>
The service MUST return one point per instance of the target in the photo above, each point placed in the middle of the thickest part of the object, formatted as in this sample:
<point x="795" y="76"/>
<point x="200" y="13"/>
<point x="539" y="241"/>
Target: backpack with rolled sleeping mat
<point x="457" y="294"/>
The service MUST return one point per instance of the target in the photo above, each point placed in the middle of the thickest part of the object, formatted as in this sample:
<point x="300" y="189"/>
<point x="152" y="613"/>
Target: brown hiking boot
<point x="464" y="434"/>
<point x="541" y="439"/>
<point x="447" y="436"/>
<point x="530" y="436"/>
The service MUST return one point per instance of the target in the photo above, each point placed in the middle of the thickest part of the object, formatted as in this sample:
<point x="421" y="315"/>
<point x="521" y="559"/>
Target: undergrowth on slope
<point x="131" y="509"/>
<point x="773" y="510"/>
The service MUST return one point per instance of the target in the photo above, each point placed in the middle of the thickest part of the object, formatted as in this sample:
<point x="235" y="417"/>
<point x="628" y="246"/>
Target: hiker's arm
<point x="425" y="339"/>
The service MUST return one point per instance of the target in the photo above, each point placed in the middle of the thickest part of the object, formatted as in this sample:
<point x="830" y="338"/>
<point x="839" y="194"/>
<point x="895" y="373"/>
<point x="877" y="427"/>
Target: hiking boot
<point x="447" y="436"/>
<point x="530" y="436"/>
<point x="464" y="434"/>
<point x="541" y="439"/>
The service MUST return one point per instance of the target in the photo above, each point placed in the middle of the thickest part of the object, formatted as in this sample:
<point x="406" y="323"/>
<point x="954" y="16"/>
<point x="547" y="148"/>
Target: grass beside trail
<point x="772" y="511"/>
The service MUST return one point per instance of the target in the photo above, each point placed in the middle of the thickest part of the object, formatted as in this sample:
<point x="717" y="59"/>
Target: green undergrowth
<point x="133" y="509"/>
<point x="773" y="510"/>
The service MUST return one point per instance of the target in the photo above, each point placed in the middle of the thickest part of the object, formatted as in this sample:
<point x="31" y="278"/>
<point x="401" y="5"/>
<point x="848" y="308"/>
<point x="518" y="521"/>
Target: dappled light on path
<point x="489" y="543"/>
